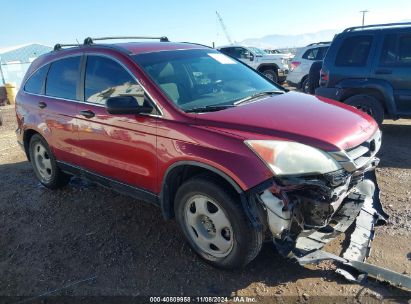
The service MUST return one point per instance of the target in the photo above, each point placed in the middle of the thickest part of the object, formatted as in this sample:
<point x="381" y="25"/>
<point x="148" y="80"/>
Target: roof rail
<point x="90" y="40"/>
<point x="59" y="46"/>
<point x="350" y="29"/>
<point x="321" y="42"/>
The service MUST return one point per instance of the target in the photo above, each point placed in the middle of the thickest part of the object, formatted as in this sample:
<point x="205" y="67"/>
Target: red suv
<point x="227" y="152"/>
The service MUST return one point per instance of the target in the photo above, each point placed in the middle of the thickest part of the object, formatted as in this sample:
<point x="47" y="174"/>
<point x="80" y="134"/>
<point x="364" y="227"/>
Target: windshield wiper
<point x="209" y="108"/>
<point x="256" y="95"/>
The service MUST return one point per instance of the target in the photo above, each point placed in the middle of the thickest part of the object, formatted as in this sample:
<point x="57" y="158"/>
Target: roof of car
<point x="147" y="47"/>
<point x="133" y="48"/>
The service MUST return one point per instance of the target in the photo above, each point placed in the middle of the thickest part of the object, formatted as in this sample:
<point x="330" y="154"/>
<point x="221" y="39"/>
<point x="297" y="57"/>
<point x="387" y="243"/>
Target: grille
<point x="357" y="157"/>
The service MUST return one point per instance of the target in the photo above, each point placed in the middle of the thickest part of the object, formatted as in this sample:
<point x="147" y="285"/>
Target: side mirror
<point x="251" y="57"/>
<point x="126" y="105"/>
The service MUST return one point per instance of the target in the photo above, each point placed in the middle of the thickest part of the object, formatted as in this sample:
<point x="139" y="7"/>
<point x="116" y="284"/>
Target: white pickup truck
<point x="272" y="66"/>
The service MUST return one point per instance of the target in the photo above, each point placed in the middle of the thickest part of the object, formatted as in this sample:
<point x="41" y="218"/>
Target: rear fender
<point x="349" y="87"/>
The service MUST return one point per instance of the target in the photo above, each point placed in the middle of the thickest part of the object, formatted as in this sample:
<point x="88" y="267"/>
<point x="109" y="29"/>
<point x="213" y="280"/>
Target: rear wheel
<point x="44" y="164"/>
<point x="270" y="74"/>
<point x="369" y="105"/>
<point x="305" y="85"/>
<point x="215" y="225"/>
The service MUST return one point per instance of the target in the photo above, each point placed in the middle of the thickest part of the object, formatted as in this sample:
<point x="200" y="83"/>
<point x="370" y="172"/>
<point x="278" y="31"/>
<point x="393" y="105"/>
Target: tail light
<point x="294" y="64"/>
<point x="324" y="76"/>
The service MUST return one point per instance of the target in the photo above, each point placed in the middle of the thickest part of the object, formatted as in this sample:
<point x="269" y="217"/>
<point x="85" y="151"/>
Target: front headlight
<point x="289" y="158"/>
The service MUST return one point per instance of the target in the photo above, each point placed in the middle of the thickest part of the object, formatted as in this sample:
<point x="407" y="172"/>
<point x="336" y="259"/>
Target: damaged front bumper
<point x="304" y="214"/>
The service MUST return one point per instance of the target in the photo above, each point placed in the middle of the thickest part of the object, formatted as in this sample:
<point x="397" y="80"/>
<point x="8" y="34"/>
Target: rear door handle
<point x="87" y="113"/>
<point x="383" y="71"/>
<point x="42" y="105"/>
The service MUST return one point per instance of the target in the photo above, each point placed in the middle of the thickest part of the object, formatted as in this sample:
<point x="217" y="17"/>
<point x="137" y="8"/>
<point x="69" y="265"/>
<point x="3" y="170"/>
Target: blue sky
<point x="49" y="22"/>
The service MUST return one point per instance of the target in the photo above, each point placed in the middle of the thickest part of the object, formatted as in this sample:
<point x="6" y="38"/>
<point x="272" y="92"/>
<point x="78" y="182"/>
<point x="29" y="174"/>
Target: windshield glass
<point x="258" y="51"/>
<point x="202" y="77"/>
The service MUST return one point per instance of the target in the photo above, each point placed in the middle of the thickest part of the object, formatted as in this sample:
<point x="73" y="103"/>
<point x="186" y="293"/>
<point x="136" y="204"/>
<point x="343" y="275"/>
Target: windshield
<point x="258" y="51"/>
<point x="202" y="78"/>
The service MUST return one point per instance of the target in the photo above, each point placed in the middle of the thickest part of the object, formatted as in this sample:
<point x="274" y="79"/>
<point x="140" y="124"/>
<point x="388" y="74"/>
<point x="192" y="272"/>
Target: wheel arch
<point x="27" y="135"/>
<point x="265" y="66"/>
<point x="379" y="89"/>
<point x="181" y="171"/>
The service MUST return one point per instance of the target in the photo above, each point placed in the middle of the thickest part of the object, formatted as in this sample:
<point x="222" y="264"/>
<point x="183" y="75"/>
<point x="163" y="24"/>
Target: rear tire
<point x="270" y="74"/>
<point x="305" y="87"/>
<point x="215" y="225"/>
<point x="368" y="104"/>
<point x="44" y="164"/>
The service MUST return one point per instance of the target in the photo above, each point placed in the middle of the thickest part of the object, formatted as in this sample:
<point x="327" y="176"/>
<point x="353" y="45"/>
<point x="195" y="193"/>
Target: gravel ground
<point x="85" y="240"/>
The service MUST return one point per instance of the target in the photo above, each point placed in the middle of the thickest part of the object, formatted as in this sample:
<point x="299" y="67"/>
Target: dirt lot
<point x="87" y="240"/>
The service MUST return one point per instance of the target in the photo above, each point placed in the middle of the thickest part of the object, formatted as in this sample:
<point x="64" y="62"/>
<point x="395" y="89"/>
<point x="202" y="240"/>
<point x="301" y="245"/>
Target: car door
<point x="394" y="66"/>
<point x="58" y="107"/>
<point x="121" y="147"/>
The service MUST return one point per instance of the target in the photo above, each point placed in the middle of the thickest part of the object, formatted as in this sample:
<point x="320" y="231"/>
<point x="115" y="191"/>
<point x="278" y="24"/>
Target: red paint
<point x="138" y="150"/>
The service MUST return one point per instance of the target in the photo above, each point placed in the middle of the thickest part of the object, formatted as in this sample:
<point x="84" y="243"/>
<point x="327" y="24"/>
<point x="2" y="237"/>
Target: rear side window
<point x="311" y="54"/>
<point x="106" y="78"/>
<point x="396" y="50"/>
<point x="354" y="51"/>
<point x="228" y="51"/>
<point x="62" y="79"/>
<point x="35" y="84"/>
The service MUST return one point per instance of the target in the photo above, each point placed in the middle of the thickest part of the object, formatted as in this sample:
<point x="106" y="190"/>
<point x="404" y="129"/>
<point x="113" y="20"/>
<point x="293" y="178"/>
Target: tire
<point x="215" y="225"/>
<point x="369" y="105"/>
<point x="305" y="86"/>
<point x="44" y="164"/>
<point x="270" y="74"/>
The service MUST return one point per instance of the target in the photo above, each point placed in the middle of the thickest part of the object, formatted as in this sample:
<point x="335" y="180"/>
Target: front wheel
<point x="44" y="164"/>
<point x="215" y="225"/>
<point x="271" y="74"/>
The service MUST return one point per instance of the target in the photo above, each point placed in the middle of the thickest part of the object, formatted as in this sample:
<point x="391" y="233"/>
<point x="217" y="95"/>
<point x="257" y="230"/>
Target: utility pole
<point x="363" y="15"/>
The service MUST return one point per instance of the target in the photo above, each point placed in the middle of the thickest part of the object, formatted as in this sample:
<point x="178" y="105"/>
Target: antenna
<point x="223" y="27"/>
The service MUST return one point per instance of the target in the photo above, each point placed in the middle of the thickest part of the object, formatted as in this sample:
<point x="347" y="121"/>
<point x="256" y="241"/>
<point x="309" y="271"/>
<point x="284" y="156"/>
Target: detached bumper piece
<point x="306" y="214"/>
<point x="364" y="207"/>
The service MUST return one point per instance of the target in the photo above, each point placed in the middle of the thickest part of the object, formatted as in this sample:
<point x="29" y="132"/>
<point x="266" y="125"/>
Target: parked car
<point x="301" y="63"/>
<point x="272" y="66"/>
<point x="370" y="68"/>
<point x="226" y="152"/>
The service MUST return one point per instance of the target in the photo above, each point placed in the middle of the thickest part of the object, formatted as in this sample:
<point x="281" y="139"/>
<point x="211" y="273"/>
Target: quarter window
<point x="62" y="79"/>
<point x="35" y="84"/>
<point x="311" y="54"/>
<point x="396" y="50"/>
<point x="354" y="51"/>
<point x="106" y="78"/>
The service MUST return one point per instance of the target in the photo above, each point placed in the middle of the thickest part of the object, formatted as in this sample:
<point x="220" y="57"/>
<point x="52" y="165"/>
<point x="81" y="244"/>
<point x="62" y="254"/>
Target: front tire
<point x="44" y="164"/>
<point x="369" y="105"/>
<point x="270" y="74"/>
<point x="215" y="225"/>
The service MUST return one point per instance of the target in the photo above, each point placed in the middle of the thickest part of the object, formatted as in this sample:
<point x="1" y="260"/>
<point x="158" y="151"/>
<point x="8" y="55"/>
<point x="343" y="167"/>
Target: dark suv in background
<point x="370" y="68"/>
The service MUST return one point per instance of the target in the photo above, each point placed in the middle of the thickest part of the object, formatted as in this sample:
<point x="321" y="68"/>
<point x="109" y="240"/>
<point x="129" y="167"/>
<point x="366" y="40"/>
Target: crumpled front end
<point x="306" y="212"/>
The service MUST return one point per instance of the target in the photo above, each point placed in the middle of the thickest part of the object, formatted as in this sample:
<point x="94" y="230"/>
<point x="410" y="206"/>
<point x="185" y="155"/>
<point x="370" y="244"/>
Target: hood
<point x="271" y="57"/>
<point x="316" y="121"/>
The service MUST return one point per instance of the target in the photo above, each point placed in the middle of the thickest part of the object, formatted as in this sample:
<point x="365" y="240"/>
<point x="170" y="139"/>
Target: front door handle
<point x="87" y="113"/>
<point x="42" y="105"/>
<point x="383" y="71"/>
